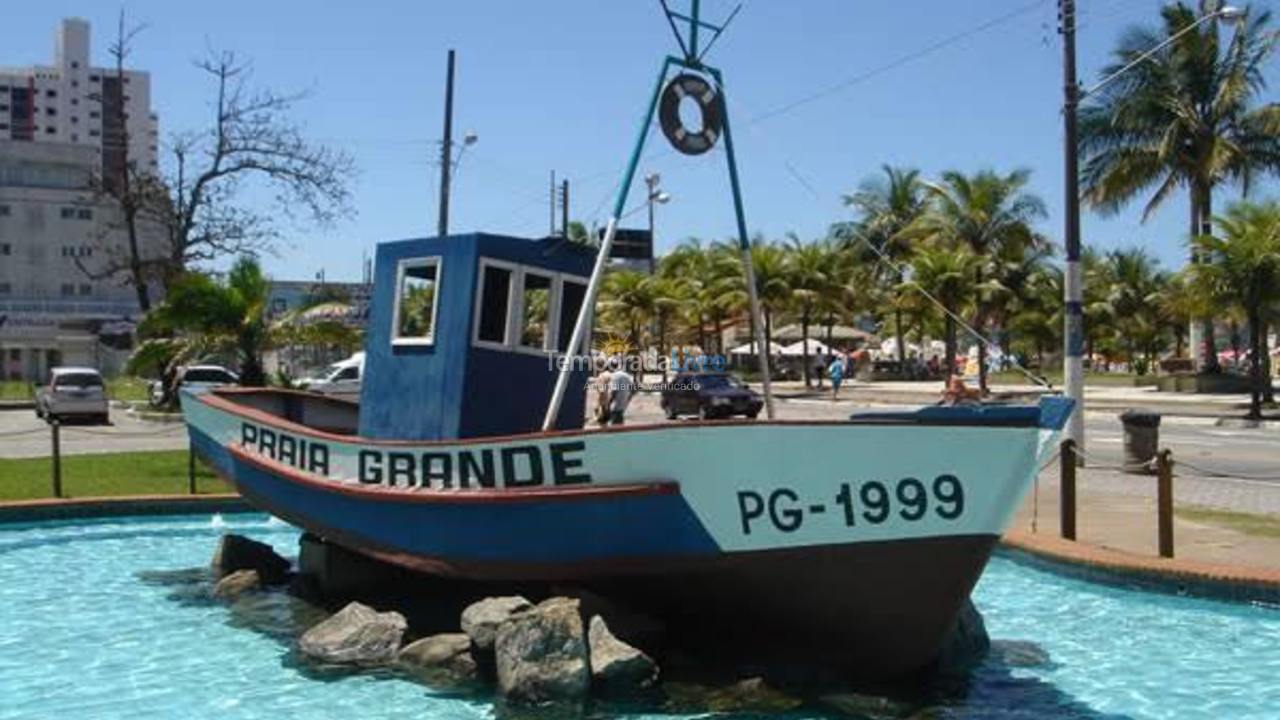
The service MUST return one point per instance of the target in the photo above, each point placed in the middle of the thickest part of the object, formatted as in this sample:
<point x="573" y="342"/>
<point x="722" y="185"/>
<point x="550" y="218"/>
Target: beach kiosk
<point x="466" y="333"/>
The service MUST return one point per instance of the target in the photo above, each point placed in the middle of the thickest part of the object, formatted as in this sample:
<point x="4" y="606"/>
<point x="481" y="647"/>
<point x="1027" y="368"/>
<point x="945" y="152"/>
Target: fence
<point x="111" y="469"/>
<point x="1070" y="458"/>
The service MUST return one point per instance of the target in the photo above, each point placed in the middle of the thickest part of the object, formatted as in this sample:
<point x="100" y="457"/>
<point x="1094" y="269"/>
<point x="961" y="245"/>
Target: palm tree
<point x="946" y="274"/>
<point x="1133" y="299"/>
<point x="1182" y="119"/>
<point x="807" y="275"/>
<point x="202" y="317"/>
<point x="628" y="303"/>
<point x="770" y="264"/>
<point x="988" y="214"/>
<point x="886" y="207"/>
<point x="1037" y="318"/>
<point x="1242" y="266"/>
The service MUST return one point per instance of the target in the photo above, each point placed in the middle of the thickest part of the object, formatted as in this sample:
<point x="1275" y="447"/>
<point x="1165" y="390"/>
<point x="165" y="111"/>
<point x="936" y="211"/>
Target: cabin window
<point x="535" y="311"/>
<point x="417" y="285"/>
<point x="495" y="303"/>
<point x="572" y="294"/>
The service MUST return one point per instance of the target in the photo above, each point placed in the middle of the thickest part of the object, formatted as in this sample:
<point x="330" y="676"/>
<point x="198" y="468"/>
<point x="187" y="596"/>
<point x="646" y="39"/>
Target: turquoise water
<point x="107" y="619"/>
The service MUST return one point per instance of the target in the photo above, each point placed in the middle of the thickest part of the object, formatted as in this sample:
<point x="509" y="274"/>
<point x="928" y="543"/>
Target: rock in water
<point x="615" y="665"/>
<point x="752" y="695"/>
<point x="481" y="619"/>
<point x="236" y="552"/>
<point x="440" y="658"/>
<point x="236" y="584"/>
<point x="868" y="707"/>
<point x="1020" y="654"/>
<point x="967" y="644"/>
<point x="356" y="635"/>
<point x="541" y="654"/>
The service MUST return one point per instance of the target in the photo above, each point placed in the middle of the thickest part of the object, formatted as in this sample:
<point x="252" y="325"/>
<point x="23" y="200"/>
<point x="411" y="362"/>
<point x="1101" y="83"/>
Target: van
<point x="341" y="379"/>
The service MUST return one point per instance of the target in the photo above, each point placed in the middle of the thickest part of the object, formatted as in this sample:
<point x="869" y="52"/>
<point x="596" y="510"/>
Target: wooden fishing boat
<point x="863" y="537"/>
<point x="857" y="541"/>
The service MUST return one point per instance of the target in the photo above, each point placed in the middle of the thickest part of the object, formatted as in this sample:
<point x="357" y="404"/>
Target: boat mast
<point x="691" y="61"/>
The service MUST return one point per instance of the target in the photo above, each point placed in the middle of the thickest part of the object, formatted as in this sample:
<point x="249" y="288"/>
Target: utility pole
<point x="1073" y="332"/>
<point x="446" y="150"/>
<point x="564" y="207"/>
<point x="552" y="207"/>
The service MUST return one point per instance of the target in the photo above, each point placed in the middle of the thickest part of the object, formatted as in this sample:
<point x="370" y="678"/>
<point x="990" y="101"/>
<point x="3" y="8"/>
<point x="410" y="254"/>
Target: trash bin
<point x="1141" y="440"/>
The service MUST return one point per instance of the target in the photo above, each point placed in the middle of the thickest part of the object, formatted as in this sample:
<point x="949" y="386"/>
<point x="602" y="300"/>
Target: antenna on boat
<point x="704" y="85"/>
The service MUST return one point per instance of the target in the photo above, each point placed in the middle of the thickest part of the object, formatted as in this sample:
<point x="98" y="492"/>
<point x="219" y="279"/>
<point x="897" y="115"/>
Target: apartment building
<point x="59" y="127"/>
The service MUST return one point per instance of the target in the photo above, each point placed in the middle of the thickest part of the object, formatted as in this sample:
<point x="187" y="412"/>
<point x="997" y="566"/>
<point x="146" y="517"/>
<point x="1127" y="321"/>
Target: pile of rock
<point x="560" y="650"/>
<point x="241" y="565"/>
<point x="536" y="653"/>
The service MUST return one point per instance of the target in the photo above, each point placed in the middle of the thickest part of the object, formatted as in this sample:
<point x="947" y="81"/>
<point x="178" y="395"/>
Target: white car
<point x="193" y="376"/>
<point x="341" y="379"/>
<point x="72" y="392"/>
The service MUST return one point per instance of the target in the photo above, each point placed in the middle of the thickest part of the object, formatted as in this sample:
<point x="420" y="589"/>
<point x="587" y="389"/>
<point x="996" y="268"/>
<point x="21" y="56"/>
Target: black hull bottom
<point x="876" y="611"/>
<point x="871" y="611"/>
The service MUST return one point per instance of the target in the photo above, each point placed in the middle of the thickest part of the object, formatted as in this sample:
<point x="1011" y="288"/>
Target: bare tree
<point x="251" y="143"/>
<point x="199" y="206"/>
<point x="119" y="184"/>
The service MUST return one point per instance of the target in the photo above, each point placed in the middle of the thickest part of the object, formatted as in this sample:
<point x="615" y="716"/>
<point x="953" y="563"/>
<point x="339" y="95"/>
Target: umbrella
<point x="796" y="349"/>
<point x="750" y="349"/>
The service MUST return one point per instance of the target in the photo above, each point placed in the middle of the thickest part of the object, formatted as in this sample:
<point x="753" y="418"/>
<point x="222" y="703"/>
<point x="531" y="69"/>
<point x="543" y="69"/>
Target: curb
<point x="1114" y="567"/>
<point x="1231" y="422"/>
<point x="159" y="417"/>
<point x="17" y="405"/>
<point x="98" y="507"/>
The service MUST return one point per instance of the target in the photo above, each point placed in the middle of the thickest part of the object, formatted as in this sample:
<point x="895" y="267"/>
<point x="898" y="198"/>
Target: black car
<point x="709" y="395"/>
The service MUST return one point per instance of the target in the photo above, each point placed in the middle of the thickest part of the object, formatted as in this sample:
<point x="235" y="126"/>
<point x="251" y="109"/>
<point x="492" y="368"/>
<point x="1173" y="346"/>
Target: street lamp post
<point x="1073" y="336"/>
<point x="656" y="195"/>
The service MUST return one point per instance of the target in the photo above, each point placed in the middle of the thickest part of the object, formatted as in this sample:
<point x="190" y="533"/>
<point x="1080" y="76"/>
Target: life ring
<point x="696" y="87"/>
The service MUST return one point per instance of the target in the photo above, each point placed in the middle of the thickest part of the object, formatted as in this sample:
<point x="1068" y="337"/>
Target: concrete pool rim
<point x="1086" y="562"/>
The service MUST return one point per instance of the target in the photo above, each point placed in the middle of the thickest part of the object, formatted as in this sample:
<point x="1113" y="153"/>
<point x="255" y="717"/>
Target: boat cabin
<point x="466" y="335"/>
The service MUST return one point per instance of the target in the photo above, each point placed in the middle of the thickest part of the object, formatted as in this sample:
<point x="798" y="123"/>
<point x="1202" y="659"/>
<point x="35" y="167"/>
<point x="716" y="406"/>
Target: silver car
<point x="72" y="392"/>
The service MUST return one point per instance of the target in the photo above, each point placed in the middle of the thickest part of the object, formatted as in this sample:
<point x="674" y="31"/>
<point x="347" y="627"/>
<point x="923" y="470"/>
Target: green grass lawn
<point x="132" y="473"/>
<point x="1258" y="525"/>
<point x="128" y="389"/>
<point x="1013" y="377"/>
<point x="15" y="390"/>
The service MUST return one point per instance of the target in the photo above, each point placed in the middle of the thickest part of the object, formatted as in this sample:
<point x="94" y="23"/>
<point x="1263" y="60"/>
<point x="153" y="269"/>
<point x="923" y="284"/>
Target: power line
<point x="899" y="61"/>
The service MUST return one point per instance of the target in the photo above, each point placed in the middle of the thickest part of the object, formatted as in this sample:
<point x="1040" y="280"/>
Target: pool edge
<point x="1107" y="566"/>
<point x="96" y="507"/>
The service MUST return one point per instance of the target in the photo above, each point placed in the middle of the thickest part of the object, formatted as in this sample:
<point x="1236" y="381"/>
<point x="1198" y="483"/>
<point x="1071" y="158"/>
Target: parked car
<point x="73" y="392"/>
<point x="709" y="395"/>
<point x="193" y="376"/>
<point x="341" y="379"/>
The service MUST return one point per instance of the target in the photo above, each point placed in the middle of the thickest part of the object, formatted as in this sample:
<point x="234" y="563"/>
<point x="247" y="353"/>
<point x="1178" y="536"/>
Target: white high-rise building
<point x="60" y="126"/>
<point x="74" y="102"/>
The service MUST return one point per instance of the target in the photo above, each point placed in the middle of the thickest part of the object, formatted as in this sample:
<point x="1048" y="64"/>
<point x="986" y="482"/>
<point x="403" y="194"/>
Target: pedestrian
<point x="836" y="371"/>
<point x="600" y="385"/>
<point x="621" y="387"/>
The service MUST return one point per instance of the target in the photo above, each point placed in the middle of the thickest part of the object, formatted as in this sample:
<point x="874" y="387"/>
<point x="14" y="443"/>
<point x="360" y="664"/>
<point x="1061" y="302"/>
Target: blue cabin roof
<point x="465" y="335"/>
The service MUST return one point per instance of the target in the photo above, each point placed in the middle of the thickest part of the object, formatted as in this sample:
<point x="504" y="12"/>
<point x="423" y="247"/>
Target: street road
<point x="22" y="435"/>
<point x="1244" y="453"/>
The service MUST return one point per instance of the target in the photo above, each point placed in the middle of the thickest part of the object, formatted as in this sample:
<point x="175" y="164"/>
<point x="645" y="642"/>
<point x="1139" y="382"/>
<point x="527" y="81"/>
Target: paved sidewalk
<point x="1110" y="398"/>
<point x="1118" y="511"/>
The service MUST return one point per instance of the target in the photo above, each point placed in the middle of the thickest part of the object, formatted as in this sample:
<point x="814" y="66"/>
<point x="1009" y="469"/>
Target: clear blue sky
<point x="560" y="85"/>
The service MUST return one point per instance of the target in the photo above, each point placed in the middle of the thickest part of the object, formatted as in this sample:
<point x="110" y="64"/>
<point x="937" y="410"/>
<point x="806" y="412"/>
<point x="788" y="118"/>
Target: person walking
<point x="600" y="385"/>
<point x="836" y="371"/>
<point x="621" y="387"/>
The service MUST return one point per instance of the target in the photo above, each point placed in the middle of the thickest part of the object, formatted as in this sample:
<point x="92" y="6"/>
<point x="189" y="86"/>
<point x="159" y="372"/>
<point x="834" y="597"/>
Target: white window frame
<point x="553" y="312"/>
<point x="479" y="302"/>
<point x="566" y="279"/>
<point x="515" y="307"/>
<point x="404" y="264"/>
